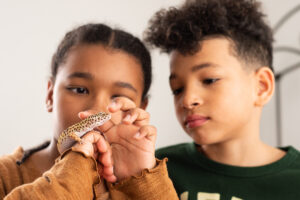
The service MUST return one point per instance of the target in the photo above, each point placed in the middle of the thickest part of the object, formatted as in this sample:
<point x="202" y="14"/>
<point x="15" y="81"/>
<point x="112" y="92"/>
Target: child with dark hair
<point x="221" y="77"/>
<point x="95" y="68"/>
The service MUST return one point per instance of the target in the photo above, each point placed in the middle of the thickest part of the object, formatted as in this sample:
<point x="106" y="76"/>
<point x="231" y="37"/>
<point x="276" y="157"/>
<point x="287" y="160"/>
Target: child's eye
<point x="177" y="91"/>
<point x="210" y="81"/>
<point x="78" y="90"/>
<point x="120" y="95"/>
<point x="115" y="96"/>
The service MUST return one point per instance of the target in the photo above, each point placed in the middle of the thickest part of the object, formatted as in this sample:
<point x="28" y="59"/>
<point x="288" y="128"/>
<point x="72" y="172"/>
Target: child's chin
<point x="201" y="139"/>
<point x="204" y="138"/>
<point x="203" y="143"/>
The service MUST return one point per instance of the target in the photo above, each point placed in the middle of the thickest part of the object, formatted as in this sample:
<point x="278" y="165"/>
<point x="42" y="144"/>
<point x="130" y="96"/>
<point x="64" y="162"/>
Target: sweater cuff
<point x="76" y="170"/>
<point x="151" y="184"/>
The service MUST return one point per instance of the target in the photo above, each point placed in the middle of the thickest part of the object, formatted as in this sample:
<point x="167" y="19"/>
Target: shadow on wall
<point x="287" y="74"/>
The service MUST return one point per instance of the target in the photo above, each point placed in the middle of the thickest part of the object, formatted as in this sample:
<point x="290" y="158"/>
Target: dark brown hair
<point x="240" y="21"/>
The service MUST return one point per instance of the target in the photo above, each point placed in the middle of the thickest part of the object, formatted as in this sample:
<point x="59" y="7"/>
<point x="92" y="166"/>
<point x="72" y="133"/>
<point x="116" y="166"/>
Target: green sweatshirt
<point x="196" y="177"/>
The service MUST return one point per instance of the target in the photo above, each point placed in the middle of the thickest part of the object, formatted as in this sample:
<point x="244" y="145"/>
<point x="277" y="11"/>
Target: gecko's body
<point x="74" y="133"/>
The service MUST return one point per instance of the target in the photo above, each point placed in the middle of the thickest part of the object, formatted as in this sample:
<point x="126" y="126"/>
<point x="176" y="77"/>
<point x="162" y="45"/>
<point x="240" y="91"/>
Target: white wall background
<point x="31" y="30"/>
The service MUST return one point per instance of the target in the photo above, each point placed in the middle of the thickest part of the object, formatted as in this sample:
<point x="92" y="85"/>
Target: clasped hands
<point x="124" y="145"/>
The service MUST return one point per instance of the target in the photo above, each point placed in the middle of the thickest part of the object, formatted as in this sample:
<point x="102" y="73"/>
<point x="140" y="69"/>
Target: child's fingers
<point x="107" y="171"/>
<point x="110" y="178"/>
<point x="107" y="174"/>
<point x="117" y="108"/>
<point x="121" y="103"/>
<point x="84" y="114"/>
<point x="88" y="142"/>
<point x="102" y="146"/>
<point x="137" y="116"/>
<point x="94" y="137"/>
<point x="105" y="158"/>
<point x="148" y="132"/>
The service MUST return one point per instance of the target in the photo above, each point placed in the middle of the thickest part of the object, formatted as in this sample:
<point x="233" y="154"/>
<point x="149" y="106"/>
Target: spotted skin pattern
<point x="74" y="133"/>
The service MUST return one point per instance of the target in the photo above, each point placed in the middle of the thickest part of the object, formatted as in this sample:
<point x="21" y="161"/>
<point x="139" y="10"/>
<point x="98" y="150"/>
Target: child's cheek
<point x="180" y="117"/>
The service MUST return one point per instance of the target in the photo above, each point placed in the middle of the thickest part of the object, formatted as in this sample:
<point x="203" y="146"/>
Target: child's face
<point x="89" y="79"/>
<point x="213" y="93"/>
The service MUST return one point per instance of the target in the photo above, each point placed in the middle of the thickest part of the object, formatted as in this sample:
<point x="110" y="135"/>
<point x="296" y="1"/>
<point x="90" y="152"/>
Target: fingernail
<point x="80" y="113"/>
<point x="127" y="118"/>
<point x="137" y="135"/>
<point x="112" y="104"/>
<point x="134" y="116"/>
<point x="83" y="114"/>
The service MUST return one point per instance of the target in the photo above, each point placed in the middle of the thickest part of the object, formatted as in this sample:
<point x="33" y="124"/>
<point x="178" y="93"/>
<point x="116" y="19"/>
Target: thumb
<point x="84" y="114"/>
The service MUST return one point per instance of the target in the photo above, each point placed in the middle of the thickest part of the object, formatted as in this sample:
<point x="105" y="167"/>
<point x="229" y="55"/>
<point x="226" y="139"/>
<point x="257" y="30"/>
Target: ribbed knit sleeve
<point x="72" y="177"/>
<point x="153" y="184"/>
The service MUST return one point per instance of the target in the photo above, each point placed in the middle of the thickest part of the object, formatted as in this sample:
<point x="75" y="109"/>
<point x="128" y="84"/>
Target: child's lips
<point x="193" y="121"/>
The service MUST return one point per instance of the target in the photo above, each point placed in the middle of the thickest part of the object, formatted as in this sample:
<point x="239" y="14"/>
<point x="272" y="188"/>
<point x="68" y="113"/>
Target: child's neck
<point x="45" y="158"/>
<point x="245" y="153"/>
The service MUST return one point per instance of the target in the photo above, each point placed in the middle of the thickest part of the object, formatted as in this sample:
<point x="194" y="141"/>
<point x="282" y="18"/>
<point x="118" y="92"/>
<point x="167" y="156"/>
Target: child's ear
<point x="265" y="85"/>
<point x="144" y="103"/>
<point x="49" y="97"/>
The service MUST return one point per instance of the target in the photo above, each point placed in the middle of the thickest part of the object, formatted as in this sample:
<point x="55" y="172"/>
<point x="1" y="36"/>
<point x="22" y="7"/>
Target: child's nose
<point x="190" y="104"/>
<point x="191" y="98"/>
<point x="99" y="104"/>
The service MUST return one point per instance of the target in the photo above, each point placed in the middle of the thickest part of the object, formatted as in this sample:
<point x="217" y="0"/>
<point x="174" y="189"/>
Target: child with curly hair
<point x="221" y="76"/>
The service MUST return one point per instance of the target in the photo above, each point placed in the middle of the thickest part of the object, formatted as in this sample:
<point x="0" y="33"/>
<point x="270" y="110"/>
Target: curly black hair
<point x="108" y="37"/>
<point x="240" y="21"/>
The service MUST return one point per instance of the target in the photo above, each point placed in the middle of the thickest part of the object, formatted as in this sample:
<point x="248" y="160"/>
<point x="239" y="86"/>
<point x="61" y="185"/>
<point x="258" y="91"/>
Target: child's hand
<point x="133" y="141"/>
<point x="94" y="145"/>
<point x="131" y="137"/>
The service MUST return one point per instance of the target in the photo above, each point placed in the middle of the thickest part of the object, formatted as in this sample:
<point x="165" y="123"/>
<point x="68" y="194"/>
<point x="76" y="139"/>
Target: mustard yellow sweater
<point x="74" y="176"/>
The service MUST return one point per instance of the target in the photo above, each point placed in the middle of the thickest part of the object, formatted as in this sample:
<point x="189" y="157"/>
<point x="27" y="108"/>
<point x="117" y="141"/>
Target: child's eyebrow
<point x="126" y="85"/>
<point x="201" y="66"/>
<point x="81" y="75"/>
<point x="195" y="68"/>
